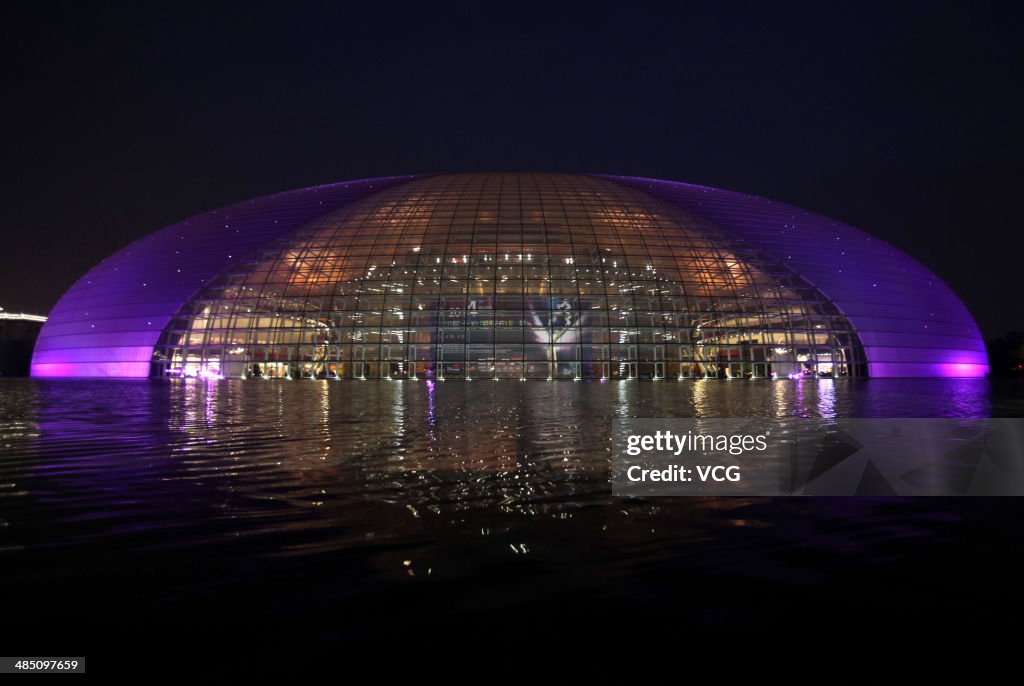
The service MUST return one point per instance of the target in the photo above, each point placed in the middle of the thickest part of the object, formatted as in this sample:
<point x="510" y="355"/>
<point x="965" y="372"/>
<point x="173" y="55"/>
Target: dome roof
<point x="509" y="275"/>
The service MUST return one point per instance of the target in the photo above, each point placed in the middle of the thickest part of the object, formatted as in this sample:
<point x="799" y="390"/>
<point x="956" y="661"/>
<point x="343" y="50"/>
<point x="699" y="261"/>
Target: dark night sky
<point x="902" y="119"/>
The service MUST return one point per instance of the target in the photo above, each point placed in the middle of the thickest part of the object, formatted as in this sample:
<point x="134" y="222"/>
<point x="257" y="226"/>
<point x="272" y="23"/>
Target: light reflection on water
<point x="411" y="479"/>
<point x="269" y="450"/>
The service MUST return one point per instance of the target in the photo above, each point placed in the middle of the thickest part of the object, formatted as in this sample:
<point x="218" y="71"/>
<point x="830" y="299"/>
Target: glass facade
<point x="487" y="276"/>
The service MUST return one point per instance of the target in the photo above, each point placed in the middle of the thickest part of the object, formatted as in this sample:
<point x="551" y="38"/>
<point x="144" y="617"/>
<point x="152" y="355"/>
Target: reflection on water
<point x="359" y="489"/>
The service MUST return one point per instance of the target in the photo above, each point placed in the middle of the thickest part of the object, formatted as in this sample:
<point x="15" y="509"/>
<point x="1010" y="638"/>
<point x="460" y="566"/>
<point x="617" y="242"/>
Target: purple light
<point x="107" y="323"/>
<point x="909" y="323"/>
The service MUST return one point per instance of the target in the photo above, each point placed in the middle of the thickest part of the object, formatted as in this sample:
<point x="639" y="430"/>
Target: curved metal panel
<point x="910" y="322"/>
<point x="108" y="322"/>
<point x="679" y="278"/>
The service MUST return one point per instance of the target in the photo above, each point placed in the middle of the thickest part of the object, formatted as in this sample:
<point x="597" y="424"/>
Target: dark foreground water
<point x="284" y="523"/>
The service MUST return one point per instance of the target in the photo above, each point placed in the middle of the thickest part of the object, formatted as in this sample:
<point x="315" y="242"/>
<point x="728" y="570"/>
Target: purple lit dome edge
<point x="509" y="275"/>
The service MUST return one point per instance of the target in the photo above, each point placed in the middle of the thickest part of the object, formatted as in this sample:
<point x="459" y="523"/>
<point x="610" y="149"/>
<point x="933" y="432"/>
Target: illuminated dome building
<point x="509" y="275"/>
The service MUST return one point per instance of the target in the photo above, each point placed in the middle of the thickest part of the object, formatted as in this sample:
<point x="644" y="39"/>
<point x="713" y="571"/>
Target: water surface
<point x="335" y="515"/>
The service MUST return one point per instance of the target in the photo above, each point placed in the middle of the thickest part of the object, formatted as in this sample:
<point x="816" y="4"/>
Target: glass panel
<point x="510" y="276"/>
